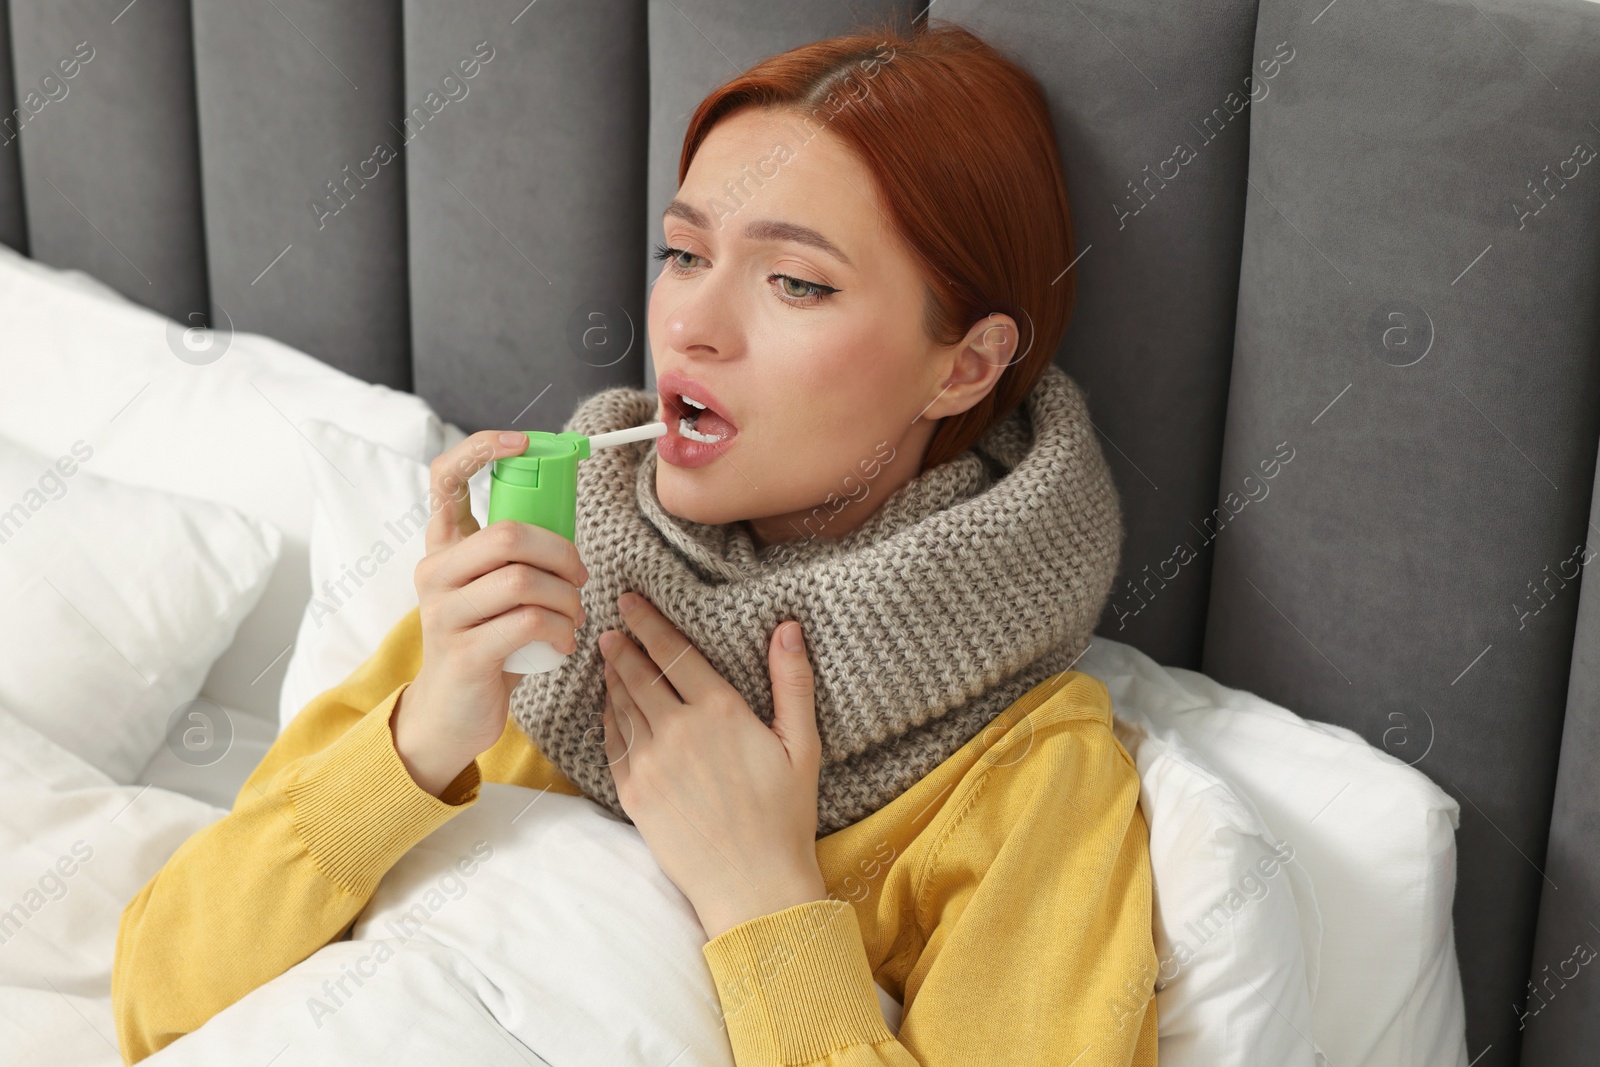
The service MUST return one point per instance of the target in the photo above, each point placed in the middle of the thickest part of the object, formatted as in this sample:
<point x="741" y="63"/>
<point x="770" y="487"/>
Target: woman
<point x="877" y="535"/>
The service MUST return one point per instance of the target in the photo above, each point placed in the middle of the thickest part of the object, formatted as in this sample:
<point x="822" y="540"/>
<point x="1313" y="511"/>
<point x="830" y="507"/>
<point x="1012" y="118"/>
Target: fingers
<point x="449" y="504"/>
<point x="672" y="653"/>
<point x="494" y="590"/>
<point x="642" y="689"/>
<point x="511" y="586"/>
<point x="623" y="729"/>
<point x="499" y="543"/>
<point x="497" y="636"/>
<point x="794" y="698"/>
<point x="631" y="725"/>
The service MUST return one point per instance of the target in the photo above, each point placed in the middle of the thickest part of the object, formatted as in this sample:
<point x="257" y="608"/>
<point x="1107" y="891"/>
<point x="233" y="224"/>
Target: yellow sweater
<point x="1005" y="899"/>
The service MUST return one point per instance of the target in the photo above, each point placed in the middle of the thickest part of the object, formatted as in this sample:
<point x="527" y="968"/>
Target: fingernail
<point x="627" y="601"/>
<point x="513" y="440"/>
<point x="791" y="637"/>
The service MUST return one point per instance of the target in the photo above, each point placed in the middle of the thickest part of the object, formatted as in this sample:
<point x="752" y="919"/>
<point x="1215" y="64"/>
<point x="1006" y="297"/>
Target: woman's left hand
<point x="727" y="804"/>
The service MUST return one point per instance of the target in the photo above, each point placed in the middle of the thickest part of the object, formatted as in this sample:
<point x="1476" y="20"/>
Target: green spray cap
<point x="541" y="484"/>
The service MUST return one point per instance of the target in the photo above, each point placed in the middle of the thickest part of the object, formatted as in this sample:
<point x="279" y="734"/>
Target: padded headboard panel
<point x="1426" y="337"/>
<point x="1355" y="244"/>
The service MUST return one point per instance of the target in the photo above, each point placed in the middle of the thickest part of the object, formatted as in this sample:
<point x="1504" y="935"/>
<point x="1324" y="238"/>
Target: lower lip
<point x="681" y="451"/>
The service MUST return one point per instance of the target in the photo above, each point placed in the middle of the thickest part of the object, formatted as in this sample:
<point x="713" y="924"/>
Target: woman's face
<point x="816" y="355"/>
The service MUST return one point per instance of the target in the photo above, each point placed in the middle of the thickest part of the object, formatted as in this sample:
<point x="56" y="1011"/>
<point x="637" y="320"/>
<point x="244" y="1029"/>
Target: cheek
<point x="862" y="389"/>
<point x="827" y="421"/>
<point x="653" y="312"/>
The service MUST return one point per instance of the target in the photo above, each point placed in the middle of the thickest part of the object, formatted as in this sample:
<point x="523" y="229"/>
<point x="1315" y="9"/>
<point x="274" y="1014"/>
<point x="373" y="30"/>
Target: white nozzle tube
<point x="632" y="433"/>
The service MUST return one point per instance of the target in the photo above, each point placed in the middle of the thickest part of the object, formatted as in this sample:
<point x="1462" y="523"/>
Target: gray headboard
<point x="1363" y="236"/>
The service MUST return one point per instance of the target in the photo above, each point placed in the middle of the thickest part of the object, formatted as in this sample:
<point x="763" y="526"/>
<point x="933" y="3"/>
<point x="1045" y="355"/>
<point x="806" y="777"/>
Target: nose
<point x="703" y="317"/>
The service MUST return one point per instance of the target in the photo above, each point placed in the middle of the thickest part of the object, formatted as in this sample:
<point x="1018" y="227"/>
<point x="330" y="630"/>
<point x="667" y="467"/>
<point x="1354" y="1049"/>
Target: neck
<point x="819" y="521"/>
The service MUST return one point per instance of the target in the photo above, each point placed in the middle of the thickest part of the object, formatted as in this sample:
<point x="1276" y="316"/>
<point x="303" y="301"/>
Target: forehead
<point x="765" y="165"/>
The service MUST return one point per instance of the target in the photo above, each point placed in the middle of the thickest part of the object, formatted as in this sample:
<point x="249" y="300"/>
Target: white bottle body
<point x="535" y="658"/>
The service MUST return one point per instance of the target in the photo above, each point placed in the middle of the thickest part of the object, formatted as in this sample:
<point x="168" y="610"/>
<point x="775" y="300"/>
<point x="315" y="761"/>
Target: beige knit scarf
<point x="967" y="587"/>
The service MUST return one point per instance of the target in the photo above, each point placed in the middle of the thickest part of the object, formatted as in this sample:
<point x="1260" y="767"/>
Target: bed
<point x="1378" y="258"/>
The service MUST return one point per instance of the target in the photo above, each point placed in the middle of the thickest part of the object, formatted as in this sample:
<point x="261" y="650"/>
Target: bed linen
<point x="1375" y="834"/>
<point x="117" y="601"/>
<point x="486" y="954"/>
<point x="212" y="423"/>
<point x="74" y="848"/>
<point x="472" y="946"/>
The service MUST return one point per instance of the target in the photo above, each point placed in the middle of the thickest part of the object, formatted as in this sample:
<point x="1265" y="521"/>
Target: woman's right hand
<point x="483" y="593"/>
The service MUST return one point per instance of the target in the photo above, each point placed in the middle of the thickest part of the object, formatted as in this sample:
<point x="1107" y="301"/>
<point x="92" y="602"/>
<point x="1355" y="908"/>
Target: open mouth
<point x="696" y="420"/>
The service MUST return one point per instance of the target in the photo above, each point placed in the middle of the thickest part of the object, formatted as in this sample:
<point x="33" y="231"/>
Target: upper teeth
<point x="691" y="402"/>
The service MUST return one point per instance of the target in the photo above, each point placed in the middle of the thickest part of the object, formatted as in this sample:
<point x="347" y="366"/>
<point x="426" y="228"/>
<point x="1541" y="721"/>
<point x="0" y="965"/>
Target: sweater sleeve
<point x="327" y="812"/>
<point x="1029" y="940"/>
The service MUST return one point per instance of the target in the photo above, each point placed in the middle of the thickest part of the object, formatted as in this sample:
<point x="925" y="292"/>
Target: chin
<point x="692" y="495"/>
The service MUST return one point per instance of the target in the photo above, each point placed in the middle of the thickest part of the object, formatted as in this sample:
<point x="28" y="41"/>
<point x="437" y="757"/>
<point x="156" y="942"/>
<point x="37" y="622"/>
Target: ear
<point x="975" y="364"/>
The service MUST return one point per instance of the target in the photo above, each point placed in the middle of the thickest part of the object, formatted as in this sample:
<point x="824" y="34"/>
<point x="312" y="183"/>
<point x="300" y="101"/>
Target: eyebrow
<point x="762" y="230"/>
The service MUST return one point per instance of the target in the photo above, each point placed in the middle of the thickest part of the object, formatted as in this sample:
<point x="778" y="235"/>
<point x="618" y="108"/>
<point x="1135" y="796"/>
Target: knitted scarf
<point x="966" y="588"/>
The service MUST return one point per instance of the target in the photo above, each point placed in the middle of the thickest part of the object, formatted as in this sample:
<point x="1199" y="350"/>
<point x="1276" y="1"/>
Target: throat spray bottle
<point x="541" y="486"/>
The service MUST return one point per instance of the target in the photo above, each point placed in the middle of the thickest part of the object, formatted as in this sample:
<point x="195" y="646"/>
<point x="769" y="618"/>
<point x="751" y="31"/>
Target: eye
<point x="667" y="252"/>
<point x="813" y="293"/>
<point x="809" y="294"/>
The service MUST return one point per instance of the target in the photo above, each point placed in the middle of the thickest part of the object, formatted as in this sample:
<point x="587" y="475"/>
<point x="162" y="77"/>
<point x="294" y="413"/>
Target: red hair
<point x="960" y="142"/>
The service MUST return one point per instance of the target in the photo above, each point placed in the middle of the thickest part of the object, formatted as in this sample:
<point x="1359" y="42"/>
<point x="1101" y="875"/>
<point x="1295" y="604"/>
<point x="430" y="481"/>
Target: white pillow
<point x="210" y="753"/>
<point x="78" y="365"/>
<point x="1376" y="836"/>
<point x="1236" y="926"/>
<point x="70" y="277"/>
<point x="368" y="533"/>
<point x="117" y="601"/>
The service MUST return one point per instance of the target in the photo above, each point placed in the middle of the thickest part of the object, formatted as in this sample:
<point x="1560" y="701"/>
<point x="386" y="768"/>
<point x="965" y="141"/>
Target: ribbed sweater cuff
<point x="796" y="985"/>
<point x="358" y="809"/>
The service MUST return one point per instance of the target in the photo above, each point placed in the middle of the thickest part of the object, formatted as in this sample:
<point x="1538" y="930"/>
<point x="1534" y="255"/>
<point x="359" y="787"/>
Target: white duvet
<point x="531" y="928"/>
<point x="459" y="958"/>
<point x="74" y="849"/>
<point x="519" y="932"/>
